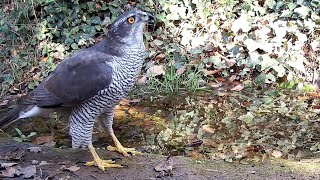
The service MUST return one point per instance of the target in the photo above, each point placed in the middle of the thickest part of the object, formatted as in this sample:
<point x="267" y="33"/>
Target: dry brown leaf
<point x="8" y="172"/>
<point x="43" y="139"/>
<point x="276" y="154"/>
<point x="160" y="57"/>
<point x="73" y="168"/>
<point x="238" y="87"/>
<point x="207" y="128"/>
<point x="230" y="62"/>
<point x="181" y="70"/>
<point x="156" y="70"/>
<point x="215" y="84"/>
<point x="27" y="172"/>
<point x="211" y="72"/>
<point x="142" y="80"/>
<point x="165" y="165"/>
<point x="35" y="149"/>
<point x="232" y="78"/>
<point x="152" y="44"/>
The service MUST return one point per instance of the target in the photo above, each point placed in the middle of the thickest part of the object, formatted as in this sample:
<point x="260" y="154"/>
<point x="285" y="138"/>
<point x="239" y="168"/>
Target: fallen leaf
<point x="71" y="168"/>
<point x="230" y="62"/>
<point x="276" y="154"/>
<point x="207" y="128"/>
<point x="165" y="165"/>
<point x="160" y="57"/>
<point x="16" y="154"/>
<point x="238" y="87"/>
<point x="157" y="42"/>
<point x="5" y="165"/>
<point x="142" y="80"/>
<point x="156" y="70"/>
<point x="9" y="172"/>
<point x="211" y="72"/>
<point x="42" y="140"/>
<point x="27" y="172"/>
<point x="215" y="84"/>
<point x="181" y="70"/>
<point x="35" y="149"/>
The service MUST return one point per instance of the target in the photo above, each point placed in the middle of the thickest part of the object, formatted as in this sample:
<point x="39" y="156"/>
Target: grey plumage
<point x="92" y="81"/>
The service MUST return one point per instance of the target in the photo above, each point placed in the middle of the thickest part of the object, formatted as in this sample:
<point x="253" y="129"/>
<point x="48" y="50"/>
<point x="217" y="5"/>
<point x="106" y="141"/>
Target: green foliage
<point x="268" y="39"/>
<point x="37" y="35"/>
<point x="22" y="137"/>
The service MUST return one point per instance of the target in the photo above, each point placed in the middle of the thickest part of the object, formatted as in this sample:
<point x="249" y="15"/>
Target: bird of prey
<point x="92" y="82"/>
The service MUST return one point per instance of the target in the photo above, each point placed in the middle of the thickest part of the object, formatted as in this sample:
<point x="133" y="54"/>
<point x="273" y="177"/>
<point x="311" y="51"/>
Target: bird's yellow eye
<point x="131" y="20"/>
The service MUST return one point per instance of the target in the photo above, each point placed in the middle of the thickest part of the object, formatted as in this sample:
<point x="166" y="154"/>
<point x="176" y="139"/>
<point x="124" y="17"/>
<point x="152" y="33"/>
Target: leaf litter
<point x="165" y="167"/>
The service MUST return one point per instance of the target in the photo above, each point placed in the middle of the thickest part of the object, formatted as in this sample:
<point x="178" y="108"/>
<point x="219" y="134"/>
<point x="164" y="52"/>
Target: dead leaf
<point x="160" y="57"/>
<point x="156" y="70"/>
<point x="16" y="154"/>
<point x="238" y="87"/>
<point x="276" y="154"/>
<point x="207" y="128"/>
<point x="27" y="172"/>
<point x="142" y="80"/>
<point x="35" y="149"/>
<point x="43" y="139"/>
<point x="71" y="168"/>
<point x="5" y="165"/>
<point x="9" y="172"/>
<point x="232" y="78"/>
<point x="215" y="84"/>
<point x="230" y="62"/>
<point x="165" y="165"/>
<point x="211" y="72"/>
<point x="42" y="163"/>
<point x="181" y="70"/>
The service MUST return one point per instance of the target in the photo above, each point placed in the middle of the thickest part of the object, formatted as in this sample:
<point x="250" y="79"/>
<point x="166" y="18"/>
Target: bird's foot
<point x="102" y="164"/>
<point x="123" y="150"/>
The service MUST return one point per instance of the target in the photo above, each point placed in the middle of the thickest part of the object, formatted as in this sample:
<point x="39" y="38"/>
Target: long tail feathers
<point x="12" y="115"/>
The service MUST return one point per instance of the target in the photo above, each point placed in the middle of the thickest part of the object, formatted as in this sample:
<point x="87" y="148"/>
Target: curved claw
<point x="124" y="150"/>
<point x="103" y="164"/>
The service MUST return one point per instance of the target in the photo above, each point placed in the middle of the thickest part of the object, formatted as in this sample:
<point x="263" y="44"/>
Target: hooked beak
<point x="147" y="17"/>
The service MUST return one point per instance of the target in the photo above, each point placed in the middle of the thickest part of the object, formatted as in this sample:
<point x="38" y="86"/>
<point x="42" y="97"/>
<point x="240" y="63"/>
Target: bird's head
<point x="128" y="28"/>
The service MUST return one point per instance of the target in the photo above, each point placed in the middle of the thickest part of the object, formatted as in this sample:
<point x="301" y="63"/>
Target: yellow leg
<point x="102" y="164"/>
<point x="120" y="148"/>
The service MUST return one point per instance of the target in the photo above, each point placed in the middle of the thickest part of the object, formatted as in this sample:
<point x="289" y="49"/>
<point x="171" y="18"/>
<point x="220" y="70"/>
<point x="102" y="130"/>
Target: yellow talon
<point x="119" y="148"/>
<point x="102" y="164"/>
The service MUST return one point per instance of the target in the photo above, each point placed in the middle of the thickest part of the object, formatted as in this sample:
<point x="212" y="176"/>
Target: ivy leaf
<point x="248" y="118"/>
<point x="158" y="42"/>
<point x="74" y="46"/>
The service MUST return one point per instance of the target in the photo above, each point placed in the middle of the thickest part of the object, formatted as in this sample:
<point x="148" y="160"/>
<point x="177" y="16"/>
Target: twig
<point x="34" y="11"/>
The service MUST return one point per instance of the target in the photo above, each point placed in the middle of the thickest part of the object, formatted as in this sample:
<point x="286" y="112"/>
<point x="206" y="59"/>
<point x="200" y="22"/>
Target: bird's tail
<point x="13" y="115"/>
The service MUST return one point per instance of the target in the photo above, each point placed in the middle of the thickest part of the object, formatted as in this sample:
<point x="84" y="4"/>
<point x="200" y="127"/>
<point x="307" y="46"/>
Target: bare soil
<point x="142" y="167"/>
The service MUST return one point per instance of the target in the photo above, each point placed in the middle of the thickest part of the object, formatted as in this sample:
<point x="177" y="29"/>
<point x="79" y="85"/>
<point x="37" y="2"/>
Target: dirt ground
<point x="54" y="160"/>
